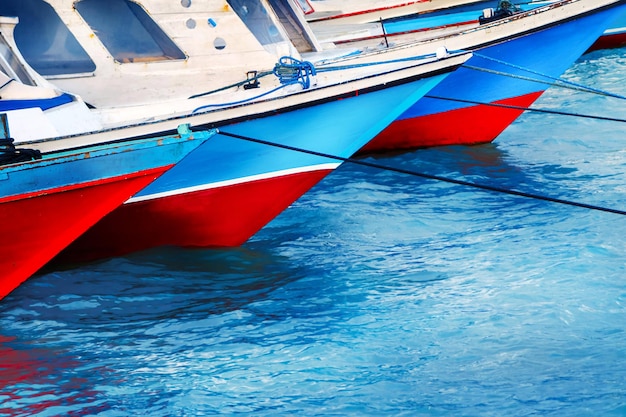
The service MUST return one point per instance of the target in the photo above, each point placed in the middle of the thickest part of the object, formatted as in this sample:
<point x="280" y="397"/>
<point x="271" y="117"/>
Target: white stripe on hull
<point x="242" y="180"/>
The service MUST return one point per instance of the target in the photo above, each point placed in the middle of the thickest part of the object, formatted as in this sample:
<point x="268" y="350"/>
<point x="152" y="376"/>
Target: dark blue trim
<point x="42" y="103"/>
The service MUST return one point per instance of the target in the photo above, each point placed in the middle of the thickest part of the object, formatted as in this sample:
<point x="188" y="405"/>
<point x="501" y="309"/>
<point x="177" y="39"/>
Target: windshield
<point x="44" y="41"/>
<point x="256" y="18"/>
<point x="127" y="31"/>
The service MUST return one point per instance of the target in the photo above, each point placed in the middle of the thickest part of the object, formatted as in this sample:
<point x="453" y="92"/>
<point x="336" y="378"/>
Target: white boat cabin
<point x="105" y="50"/>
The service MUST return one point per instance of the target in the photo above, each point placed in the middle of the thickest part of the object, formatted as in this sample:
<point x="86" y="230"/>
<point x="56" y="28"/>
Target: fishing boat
<point x="516" y="58"/>
<point x="371" y="20"/>
<point x="504" y="77"/>
<point x="286" y="109"/>
<point x="49" y="199"/>
<point x="231" y="66"/>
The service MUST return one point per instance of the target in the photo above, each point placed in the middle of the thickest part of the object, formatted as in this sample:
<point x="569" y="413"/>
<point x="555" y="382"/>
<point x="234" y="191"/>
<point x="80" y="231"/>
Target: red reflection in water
<point x="35" y="380"/>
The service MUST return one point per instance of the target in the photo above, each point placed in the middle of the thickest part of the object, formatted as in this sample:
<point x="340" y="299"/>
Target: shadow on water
<point x="172" y="282"/>
<point x="485" y="164"/>
<point x="365" y="222"/>
<point x="156" y="284"/>
<point x="82" y="321"/>
<point x="531" y="163"/>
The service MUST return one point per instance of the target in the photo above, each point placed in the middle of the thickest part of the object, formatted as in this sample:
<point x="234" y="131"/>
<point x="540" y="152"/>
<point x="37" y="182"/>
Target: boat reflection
<point x="41" y="381"/>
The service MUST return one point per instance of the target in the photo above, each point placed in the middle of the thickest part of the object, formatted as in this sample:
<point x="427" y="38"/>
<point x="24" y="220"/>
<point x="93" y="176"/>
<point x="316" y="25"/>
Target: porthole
<point x="219" y="43"/>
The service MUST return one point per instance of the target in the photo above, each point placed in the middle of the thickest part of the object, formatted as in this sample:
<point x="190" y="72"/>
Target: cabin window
<point x="11" y="66"/>
<point x="43" y="39"/>
<point x="256" y="18"/>
<point x="127" y="31"/>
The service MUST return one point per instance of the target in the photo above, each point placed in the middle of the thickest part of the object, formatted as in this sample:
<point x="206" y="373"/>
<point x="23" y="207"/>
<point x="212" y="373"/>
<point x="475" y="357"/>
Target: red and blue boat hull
<point x="468" y="14"/>
<point x="229" y="188"/>
<point x="45" y="204"/>
<point x="463" y="109"/>
<point x="614" y="36"/>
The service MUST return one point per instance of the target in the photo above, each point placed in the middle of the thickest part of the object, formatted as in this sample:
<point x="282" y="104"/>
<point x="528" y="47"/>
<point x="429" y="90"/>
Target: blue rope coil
<point x="289" y="71"/>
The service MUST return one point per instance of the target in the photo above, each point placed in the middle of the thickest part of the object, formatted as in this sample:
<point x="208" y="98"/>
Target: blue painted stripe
<point x="42" y="103"/>
<point x="339" y="128"/>
<point x="95" y="163"/>
<point x="448" y="17"/>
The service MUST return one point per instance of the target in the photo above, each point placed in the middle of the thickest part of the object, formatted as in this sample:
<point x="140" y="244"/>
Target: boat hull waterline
<point x="495" y="75"/>
<point x="229" y="188"/>
<point x="46" y="204"/>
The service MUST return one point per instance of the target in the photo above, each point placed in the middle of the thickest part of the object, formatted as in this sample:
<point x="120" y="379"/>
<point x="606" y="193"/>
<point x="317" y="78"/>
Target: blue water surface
<point x="376" y="294"/>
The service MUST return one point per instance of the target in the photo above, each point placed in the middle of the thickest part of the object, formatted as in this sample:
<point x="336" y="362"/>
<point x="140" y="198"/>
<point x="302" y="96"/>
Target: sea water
<point x="376" y="294"/>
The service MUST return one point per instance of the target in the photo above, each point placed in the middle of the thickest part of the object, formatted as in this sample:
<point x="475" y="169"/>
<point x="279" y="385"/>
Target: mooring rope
<point x="237" y="84"/>
<point x="291" y="71"/>
<point x="288" y="70"/>
<point x="235" y="103"/>
<point x="429" y="176"/>
<point x="322" y="68"/>
<point x="531" y="109"/>
<point x="557" y="81"/>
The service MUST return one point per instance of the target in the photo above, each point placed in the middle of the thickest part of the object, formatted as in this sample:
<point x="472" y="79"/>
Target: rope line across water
<point x="429" y="176"/>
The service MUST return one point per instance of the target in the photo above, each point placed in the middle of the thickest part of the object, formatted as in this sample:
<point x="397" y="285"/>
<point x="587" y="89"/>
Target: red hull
<point x="37" y="227"/>
<point x="609" y="41"/>
<point x="466" y="126"/>
<point x="219" y="217"/>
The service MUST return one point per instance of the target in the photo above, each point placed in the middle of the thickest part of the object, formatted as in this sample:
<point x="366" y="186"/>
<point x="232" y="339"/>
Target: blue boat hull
<point x="463" y="110"/>
<point x="229" y="188"/>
